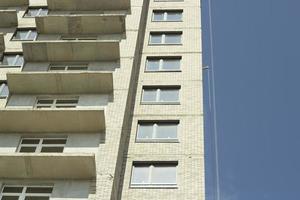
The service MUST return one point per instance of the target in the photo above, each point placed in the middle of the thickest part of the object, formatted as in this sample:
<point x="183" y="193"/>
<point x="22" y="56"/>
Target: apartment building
<point x="101" y="99"/>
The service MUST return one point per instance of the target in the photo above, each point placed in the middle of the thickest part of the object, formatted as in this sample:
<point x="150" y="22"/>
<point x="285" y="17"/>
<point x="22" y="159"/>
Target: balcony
<point x="13" y="3"/>
<point x="68" y="82"/>
<point x="8" y="18"/>
<point x="81" y="5"/>
<point x="75" y="120"/>
<point x="81" y="24"/>
<point x="2" y="44"/>
<point x="69" y="51"/>
<point x="47" y="166"/>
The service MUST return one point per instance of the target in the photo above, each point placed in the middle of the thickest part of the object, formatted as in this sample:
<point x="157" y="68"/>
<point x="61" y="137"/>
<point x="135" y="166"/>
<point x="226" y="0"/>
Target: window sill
<point x="10" y="66"/>
<point x="160" y="103"/>
<point x="165" y="44"/>
<point x="161" y="71"/>
<point x="136" y="186"/>
<point x="167" y="21"/>
<point x="157" y="141"/>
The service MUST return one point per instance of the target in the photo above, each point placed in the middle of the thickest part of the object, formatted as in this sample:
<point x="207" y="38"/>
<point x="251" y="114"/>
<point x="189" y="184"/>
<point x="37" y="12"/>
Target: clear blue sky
<point x="257" y="79"/>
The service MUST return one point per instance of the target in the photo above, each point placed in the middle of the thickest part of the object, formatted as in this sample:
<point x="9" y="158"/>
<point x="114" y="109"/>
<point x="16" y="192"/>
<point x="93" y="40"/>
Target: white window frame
<point x="17" y="57"/>
<point x="161" y="61"/>
<point x="54" y="104"/>
<point x="23" y="194"/>
<point x="40" y="145"/>
<point x="151" y="166"/>
<point x="165" y="17"/>
<point x="163" y="37"/>
<point x="27" y="35"/>
<point x="158" y="94"/>
<point x="154" y="133"/>
<point x="69" y="67"/>
<point x="38" y="13"/>
<point x="2" y="87"/>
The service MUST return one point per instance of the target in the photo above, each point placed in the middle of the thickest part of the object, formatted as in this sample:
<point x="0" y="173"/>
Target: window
<point x="4" y="91"/>
<point x="68" y="67"/>
<point x="167" y="15"/>
<point x="79" y="37"/>
<point x="157" y="131"/>
<point x="34" y="12"/>
<point x="12" y="60"/>
<point x="42" y="145"/>
<point x="163" y="64"/>
<point x="154" y="174"/>
<point x="165" y="38"/>
<point x="11" y="192"/>
<point x="22" y="34"/>
<point x="160" y="95"/>
<point x="64" y="102"/>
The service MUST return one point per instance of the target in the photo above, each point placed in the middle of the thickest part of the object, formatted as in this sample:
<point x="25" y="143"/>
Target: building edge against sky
<point x="101" y="100"/>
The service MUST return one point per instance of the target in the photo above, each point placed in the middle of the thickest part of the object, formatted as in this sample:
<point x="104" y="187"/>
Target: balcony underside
<point x="74" y="120"/>
<point x="68" y="51"/>
<point x="8" y="18"/>
<point x="82" y="5"/>
<point x="47" y="166"/>
<point x="81" y="24"/>
<point x="60" y="82"/>
<point x="13" y="3"/>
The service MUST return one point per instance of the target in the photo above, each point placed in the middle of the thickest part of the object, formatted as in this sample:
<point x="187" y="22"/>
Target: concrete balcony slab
<point x="60" y="82"/>
<point x="71" y="120"/>
<point x="81" y="5"/>
<point x="71" y="51"/>
<point x="8" y="18"/>
<point x="47" y="166"/>
<point x="81" y="24"/>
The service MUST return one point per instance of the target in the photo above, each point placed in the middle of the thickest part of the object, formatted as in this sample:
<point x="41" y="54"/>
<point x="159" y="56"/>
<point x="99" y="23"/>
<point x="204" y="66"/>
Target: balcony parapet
<point x="8" y="18"/>
<point x="13" y="3"/>
<point x="47" y="166"/>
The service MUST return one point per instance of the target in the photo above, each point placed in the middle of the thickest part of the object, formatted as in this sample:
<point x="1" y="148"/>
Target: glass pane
<point x="45" y="101"/>
<point x="32" y="12"/>
<point x="173" y="39"/>
<point x="43" y="12"/>
<point x="27" y="149"/>
<point x="164" y="175"/>
<point x="156" y="39"/>
<point x="4" y="91"/>
<point x="54" y="141"/>
<point x="171" y="64"/>
<point x="32" y="35"/>
<point x="158" y="16"/>
<point x="65" y="106"/>
<point x="30" y="141"/>
<point x="19" y="61"/>
<point x="140" y="175"/>
<point x="145" y="131"/>
<point x="37" y="198"/>
<point x="52" y="149"/>
<point x="8" y="189"/>
<point x="21" y="35"/>
<point x="77" y="68"/>
<point x="47" y="190"/>
<point x="169" y="95"/>
<point x="166" y="131"/>
<point x="152" y="65"/>
<point x="67" y="101"/>
<point x="9" y="198"/>
<point x="174" y="16"/>
<point x="9" y="60"/>
<point x="149" y="95"/>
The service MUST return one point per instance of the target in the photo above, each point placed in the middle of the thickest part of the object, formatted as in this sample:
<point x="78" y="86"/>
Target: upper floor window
<point x="165" y="38"/>
<point x="25" y="34"/>
<point x="63" y="102"/>
<point x="42" y="145"/>
<point x="34" y="12"/>
<point x="154" y="174"/>
<point x="163" y="63"/>
<point x="159" y="95"/>
<point x="157" y="131"/>
<point x="68" y="67"/>
<point x="12" y="60"/>
<point x="167" y="15"/>
<point x="3" y="91"/>
<point x="11" y="192"/>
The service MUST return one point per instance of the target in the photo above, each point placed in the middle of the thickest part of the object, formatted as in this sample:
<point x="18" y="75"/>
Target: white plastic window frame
<point x="151" y="166"/>
<point x="161" y="61"/>
<point x="54" y="104"/>
<point x="154" y="133"/>
<point x="40" y="145"/>
<point x="23" y="194"/>
<point x="166" y="12"/>
<point x="158" y="94"/>
<point x="163" y="38"/>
